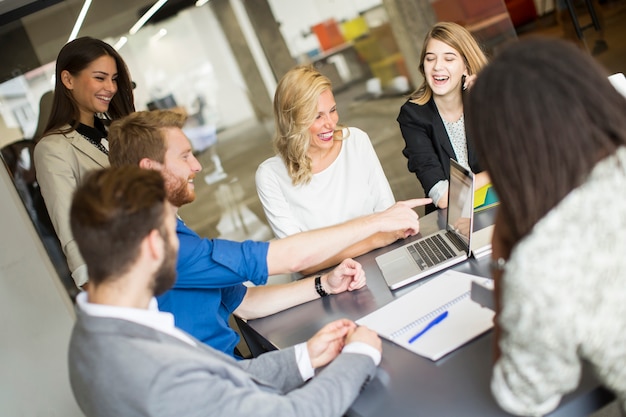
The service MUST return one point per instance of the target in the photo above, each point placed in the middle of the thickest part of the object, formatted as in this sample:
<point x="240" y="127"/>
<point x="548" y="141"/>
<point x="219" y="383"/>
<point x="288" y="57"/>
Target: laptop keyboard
<point x="434" y="250"/>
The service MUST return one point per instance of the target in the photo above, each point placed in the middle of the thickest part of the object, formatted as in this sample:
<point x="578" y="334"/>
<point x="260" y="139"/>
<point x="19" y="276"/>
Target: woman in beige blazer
<point x="92" y="88"/>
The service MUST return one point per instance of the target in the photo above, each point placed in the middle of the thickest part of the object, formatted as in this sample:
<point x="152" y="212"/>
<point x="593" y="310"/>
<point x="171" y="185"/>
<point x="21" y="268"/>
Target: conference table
<point x="408" y="384"/>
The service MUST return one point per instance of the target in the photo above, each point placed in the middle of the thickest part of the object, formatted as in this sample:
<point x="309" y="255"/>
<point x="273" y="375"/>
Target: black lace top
<point x="95" y="135"/>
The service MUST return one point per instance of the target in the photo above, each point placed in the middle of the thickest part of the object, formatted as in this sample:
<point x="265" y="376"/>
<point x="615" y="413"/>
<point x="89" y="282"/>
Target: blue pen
<point x="436" y="320"/>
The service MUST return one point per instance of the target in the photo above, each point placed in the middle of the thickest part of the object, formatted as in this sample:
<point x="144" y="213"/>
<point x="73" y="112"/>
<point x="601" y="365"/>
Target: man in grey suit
<point x="128" y="359"/>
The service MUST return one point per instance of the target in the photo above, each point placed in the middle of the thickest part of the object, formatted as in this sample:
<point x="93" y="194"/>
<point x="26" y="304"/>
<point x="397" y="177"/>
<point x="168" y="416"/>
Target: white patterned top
<point x="564" y="298"/>
<point x="456" y="133"/>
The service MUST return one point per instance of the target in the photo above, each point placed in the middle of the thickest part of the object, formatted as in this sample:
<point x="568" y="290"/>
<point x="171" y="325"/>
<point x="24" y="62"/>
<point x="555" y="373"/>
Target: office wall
<point x="204" y="65"/>
<point x="192" y="59"/>
<point x="36" y="317"/>
<point x="18" y="53"/>
<point x="297" y="17"/>
<point x="544" y="6"/>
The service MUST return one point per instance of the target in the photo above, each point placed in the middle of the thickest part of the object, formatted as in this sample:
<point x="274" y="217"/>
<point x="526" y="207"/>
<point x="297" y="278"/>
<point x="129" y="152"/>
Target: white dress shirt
<point x="164" y="322"/>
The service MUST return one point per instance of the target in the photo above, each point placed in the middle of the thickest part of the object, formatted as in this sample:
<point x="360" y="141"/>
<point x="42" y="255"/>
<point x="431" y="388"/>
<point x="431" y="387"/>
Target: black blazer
<point x="428" y="147"/>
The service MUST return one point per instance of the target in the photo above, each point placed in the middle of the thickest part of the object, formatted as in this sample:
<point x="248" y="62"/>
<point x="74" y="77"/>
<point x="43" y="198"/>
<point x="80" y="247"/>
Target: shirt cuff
<point x="363" y="349"/>
<point x="513" y="402"/>
<point x="304" y="362"/>
<point x="437" y="191"/>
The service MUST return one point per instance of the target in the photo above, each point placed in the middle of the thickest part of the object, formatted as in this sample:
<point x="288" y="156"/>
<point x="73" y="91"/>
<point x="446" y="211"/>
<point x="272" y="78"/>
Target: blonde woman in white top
<point x="323" y="174"/>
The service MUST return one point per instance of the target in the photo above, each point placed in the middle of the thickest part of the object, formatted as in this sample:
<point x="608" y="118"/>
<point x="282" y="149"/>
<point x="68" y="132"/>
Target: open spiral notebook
<point x="402" y="319"/>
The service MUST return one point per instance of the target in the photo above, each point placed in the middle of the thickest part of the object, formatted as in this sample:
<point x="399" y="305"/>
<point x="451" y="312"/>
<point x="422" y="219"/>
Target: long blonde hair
<point x="295" y="109"/>
<point x="458" y="38"/>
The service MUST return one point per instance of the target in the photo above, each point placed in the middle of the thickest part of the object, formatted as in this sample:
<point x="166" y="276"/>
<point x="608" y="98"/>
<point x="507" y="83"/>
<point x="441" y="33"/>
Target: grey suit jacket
<point x="61" y="163"/>
<point x="120" y="368"/>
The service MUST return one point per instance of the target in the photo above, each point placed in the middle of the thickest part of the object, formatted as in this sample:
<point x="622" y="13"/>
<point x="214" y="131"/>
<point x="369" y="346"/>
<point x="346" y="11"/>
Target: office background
<point x="210" y="61"/>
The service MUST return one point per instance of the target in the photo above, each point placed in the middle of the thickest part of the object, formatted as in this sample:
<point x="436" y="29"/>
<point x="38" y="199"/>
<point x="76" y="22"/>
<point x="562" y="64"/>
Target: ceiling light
<point x="162" y="32"/>
<point x="200" y="3"/>
<point x="118" y="45"/>
<point x="79" y="21"/>
<point x="143" y="19"/>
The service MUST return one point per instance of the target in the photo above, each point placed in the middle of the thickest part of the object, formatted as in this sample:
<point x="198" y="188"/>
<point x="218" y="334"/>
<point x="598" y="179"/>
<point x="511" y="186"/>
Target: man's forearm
<point x="370" y="243"/>
<point x="269" y="299"/>
<point x="304" y="250"/>
<point x="307" y="249"/>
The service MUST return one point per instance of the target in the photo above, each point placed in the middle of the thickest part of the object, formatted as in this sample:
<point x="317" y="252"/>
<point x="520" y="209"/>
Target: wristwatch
<point x="318" y="287"/>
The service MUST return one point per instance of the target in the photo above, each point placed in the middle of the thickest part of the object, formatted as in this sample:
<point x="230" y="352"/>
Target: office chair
<point x="18" y="159"/>
<point x="255" y="343"/>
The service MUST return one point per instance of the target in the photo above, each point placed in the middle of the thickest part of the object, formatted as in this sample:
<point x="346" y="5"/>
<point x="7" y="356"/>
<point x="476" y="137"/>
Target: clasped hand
<point x="327" y="343"/>
<point x="347" y="276"/>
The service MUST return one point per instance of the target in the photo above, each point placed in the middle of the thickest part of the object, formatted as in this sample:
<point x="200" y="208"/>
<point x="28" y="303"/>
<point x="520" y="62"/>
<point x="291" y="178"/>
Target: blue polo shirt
<point x="209" y="286"/>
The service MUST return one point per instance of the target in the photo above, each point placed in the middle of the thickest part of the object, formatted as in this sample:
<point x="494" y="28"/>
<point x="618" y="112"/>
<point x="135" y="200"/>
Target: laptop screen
<point x="460" y="201"/>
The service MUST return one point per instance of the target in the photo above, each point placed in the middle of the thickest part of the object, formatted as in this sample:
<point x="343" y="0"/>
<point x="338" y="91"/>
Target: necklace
<point x="97" y="144"/>
<point x="95" y="135"/>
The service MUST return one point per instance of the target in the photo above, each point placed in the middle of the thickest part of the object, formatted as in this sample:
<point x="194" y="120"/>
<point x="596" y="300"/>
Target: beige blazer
<point x="61" y="163"/>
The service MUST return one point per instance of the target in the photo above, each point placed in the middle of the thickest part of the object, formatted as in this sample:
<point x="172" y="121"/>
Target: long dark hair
<point x="542" y="114"/>
<point x="74" y="57"/>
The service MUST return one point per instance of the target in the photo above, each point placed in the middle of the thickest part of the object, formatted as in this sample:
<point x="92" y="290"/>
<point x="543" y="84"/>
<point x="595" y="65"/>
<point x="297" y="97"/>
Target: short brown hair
<point x="140" y="135"/>
<point x="112" y="211"/>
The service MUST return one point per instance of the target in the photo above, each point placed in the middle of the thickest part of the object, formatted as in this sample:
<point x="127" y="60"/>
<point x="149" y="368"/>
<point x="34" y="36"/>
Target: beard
<point x="165" y="276"/>
<point x="177" y="189"/>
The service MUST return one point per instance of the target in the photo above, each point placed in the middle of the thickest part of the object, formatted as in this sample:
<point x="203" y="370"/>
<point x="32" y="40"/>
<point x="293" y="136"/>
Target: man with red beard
<point x="211" y="272"/>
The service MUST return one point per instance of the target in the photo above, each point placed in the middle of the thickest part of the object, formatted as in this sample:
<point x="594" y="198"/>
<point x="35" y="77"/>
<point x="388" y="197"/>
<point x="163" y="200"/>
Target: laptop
<point x="423" y="257"/>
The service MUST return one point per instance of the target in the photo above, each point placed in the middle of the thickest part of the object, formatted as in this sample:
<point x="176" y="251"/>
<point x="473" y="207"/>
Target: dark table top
<point x="408" y="384"/>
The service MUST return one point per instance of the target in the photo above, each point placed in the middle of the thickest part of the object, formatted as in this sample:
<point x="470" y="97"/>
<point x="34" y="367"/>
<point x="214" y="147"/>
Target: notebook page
<point x="404" y="317"/>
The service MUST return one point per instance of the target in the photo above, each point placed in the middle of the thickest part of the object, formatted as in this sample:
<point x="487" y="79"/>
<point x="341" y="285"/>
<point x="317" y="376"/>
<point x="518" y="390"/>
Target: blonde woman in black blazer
<point x="449" y="62"/>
